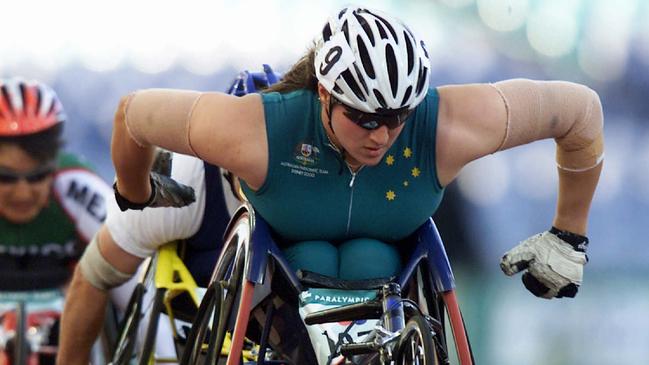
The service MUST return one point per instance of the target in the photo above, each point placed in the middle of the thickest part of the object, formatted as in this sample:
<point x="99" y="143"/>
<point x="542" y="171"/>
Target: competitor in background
<point x="51" y="203"/>
<point x="128" y="237"/>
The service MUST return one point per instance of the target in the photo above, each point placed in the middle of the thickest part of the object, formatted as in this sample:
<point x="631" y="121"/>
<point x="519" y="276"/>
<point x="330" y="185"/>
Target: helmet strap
<point x="329" y="112"/>
<point x="340" y="149"/>
<point x="331" y="127"/>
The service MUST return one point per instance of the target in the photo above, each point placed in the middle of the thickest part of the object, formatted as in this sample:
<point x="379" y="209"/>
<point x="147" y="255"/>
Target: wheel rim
<point x="416" y="345"/>
<point x="414" y="351"/>
<point x="126" y="341"/>
<point x="197" y="335"/>
<point x="216" y="308"/>
<point x="231" y="291"/>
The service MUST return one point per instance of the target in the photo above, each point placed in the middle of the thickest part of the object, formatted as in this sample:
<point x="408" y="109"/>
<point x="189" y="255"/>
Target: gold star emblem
<point x="407" y="152"/>
<point x="390" y="195"/>
<point x="405" y="183"/>
<point x="415" y="172"/>
<point x="389" y="160"/>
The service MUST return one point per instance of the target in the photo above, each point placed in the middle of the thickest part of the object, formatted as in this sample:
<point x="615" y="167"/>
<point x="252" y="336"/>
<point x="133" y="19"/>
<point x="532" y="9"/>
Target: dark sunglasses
<point x="37" y="175"/>
<point x="372" y="121"/>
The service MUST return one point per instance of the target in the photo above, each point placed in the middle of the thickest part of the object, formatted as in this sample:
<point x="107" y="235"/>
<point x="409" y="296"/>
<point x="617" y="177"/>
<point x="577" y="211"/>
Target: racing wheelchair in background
<point x="254" y="294"/>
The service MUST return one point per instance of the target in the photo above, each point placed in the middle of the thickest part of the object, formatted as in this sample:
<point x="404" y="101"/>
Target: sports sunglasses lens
<point x="8" y="178"/>
<point x="38" y="177"/>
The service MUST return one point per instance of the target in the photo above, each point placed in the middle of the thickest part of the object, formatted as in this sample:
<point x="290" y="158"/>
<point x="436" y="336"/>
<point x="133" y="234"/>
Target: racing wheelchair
<point x="254" y="294"/>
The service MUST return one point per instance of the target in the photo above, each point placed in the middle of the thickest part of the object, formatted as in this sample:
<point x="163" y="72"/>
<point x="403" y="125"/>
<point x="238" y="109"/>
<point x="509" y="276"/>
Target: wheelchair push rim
<point x="229" y="295"/>
<point x="128" y="330"/>
<point x="416" y="345"/>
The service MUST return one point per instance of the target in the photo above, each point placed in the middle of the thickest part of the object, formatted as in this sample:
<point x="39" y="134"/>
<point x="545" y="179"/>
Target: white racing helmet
<point x="372" y="62"/>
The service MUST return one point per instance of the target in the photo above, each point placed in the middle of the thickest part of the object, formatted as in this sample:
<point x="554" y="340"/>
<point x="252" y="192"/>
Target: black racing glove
<point x="165" y="191"/>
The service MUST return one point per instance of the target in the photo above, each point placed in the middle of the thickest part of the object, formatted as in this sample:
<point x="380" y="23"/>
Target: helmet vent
<point x="382" y="32"/>
<point x="393" y="71"/>
<point x="52" y="108"/>
<point x="423" y="47"/>
<point x="366" y="28"/>
<point x="387" y="25"/>
<point x="423" y="75"/>
<point x="406" y="96"/>
<point x="362" y="80"/>
<point x="5" y="95"/>
<point x="23" y="95"/>
<point x="412" y="36"/>
<point x="351" y="82"/>
<point x="380" y="98"/>
<point x="326" y="32"/>
<point x="38" y="100"/>
<point x="342" y="12"/>
<point x="365" y="58"/>
<point x="345" y="29"/>
<point x="411" y="53"/>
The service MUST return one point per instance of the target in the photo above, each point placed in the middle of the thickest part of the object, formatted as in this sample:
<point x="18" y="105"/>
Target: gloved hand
<point x="554" y="261"/>
<point x="165" y="191"/>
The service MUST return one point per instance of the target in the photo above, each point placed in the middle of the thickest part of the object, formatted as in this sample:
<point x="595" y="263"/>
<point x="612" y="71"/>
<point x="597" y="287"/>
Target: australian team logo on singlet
<point x="305" y="161"/>
<point x="307" y="154"/>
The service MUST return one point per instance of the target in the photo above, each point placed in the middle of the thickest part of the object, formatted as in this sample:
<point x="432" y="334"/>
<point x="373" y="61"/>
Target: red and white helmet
<point x="27" y="107"/>
<point x="372" y="62"/>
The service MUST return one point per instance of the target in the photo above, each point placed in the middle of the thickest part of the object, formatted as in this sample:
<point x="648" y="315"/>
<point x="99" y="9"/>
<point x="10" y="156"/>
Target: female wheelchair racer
<point x="166" y="264"/>
<point x="318" y="156"/>
<point x="173" y="288"/>
<point x="167" y="293"/>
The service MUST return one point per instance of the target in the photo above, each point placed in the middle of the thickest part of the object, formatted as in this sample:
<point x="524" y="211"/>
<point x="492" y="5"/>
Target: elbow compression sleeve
<point x="162" y="117"/>
<point x="97" y="271"/>
<point x="568" y="112"/>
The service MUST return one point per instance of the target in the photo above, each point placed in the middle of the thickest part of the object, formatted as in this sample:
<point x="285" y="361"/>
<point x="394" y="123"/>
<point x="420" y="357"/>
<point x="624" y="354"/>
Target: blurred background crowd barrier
<point x="94" y="52"/>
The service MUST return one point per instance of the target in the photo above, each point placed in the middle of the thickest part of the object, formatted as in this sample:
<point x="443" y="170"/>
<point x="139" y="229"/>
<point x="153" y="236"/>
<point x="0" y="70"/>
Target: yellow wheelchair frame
<point x="167" y="274"/>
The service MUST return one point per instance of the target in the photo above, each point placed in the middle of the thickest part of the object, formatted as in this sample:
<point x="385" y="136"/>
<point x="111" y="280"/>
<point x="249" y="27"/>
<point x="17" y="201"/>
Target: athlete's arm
<point x="124" y="240"/>
<point x="85" y="305"/>
<point x="224" y="130"/>
<point x="479" y="119"/>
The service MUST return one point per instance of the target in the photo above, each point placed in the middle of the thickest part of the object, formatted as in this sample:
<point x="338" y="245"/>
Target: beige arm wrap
<point x="97" y="271"/>
<point x="162" y="117"/>
<point x="568" y="112"/>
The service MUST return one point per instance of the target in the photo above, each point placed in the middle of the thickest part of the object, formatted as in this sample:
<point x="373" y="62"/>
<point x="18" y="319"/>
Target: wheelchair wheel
<point x="219" y="307"/>
<point x="416" y="344"/>
<point x="152" y="329"/>
<point x="231" y="287"/>
<point x="128" y="328"/>
<point x="200" y="331"/>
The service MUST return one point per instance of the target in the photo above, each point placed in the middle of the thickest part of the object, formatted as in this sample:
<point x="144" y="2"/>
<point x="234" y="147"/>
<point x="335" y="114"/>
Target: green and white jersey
<point x="58" y="235"/>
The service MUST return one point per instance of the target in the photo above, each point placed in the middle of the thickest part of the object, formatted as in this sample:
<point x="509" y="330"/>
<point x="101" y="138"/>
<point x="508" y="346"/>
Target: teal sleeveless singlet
<point x="311" y="195"/>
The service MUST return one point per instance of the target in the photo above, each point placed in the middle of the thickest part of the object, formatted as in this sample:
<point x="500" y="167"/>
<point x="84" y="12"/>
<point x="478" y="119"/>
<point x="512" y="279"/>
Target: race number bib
<point x="334" y="57"/>
<point x="327" y="338"/>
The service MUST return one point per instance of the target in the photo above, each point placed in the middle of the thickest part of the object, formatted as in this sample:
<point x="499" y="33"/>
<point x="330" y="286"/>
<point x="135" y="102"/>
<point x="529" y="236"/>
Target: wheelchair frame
<point x="251" y="265"/>
<point x="252" y="270"/>
<point x="170" y="278"/>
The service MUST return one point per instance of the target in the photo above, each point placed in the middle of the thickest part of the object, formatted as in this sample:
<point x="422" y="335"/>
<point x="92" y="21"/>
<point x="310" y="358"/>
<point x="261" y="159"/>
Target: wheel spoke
<point x="226" y="282"/>
<point x="416" y="345"/>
